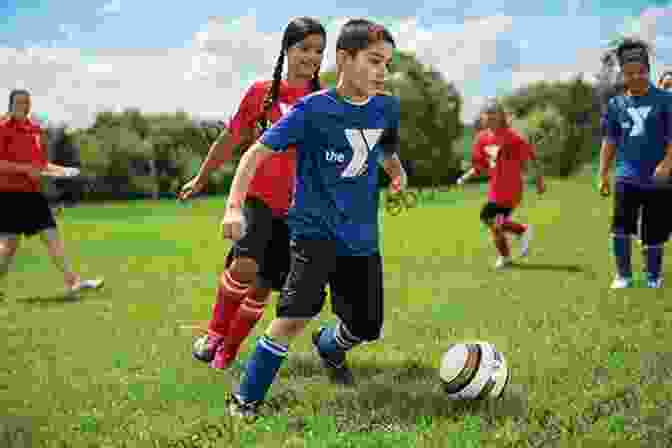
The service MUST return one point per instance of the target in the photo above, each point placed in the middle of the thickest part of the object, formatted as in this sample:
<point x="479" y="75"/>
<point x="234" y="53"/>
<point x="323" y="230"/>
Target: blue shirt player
<point x="340" y="135"/>
<point x="639" y="136"/>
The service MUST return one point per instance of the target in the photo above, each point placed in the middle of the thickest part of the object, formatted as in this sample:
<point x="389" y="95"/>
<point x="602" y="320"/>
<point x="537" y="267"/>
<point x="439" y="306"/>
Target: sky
<point x="79" y="57"/>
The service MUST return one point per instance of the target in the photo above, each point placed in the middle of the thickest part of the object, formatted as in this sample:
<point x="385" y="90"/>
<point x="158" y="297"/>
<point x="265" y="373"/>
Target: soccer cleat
<point x="205" y="347"/>
<point x="525" y="240"/>
<point x="85" y="285"/>
<point x="241" y="409"/>
<point x="655" y="284"/>
<point x="503" y="262"/>
<point x="338" y="373"/>
<point x="621" y="283"/>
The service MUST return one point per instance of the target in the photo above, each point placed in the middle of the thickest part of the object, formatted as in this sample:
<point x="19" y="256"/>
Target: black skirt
<point x="24" y="213"/>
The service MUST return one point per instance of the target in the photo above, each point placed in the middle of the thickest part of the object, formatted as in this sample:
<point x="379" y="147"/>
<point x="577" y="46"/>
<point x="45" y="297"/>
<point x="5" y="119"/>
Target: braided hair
<point x="296" y="31"/>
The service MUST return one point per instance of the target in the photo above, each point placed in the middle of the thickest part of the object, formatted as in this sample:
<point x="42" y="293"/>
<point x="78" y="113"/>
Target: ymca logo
<point x="638" y="116"/>
<point x="492" y="151"/>
<point x="362" y="141"/>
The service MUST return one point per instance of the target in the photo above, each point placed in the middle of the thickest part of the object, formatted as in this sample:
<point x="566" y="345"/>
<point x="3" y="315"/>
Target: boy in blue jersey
<point x="639" y="136"/>
<point x="340" y="135"/>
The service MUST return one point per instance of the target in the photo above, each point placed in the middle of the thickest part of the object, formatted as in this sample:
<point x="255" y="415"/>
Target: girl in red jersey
<point x="502" y="153"/>
<point x="22" y="162"/>
<point x="259" y="262"/>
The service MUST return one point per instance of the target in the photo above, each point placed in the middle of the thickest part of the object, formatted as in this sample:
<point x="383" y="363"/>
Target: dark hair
<point x="357" y="34"/>
<point x="640" y="49"/>
<point x="13" y="95"/>
<point x="295" y="31"/>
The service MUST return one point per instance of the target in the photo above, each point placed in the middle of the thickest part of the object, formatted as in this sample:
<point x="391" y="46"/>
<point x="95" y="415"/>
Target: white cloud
<point x="111" y="7"/>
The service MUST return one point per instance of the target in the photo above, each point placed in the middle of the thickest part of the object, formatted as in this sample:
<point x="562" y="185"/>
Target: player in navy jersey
<point x="340" y="134"/>
<point x="639" y="136"/>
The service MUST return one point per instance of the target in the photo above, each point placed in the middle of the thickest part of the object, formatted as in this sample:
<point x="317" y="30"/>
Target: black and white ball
<point x="474" y="371"/>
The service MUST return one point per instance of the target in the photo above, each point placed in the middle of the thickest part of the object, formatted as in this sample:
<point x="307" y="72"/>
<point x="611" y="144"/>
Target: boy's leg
<point x="301" y="300"/>
<point x="357" y="299"/>
<point x="654" y="233"/>
<point x="627" y="202"/>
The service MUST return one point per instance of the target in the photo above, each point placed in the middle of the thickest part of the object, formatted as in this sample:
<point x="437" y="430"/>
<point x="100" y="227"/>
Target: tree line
<point x="136" y="154"/>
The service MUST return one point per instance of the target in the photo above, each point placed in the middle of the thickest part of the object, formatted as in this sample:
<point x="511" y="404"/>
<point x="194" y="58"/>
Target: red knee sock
<point x="248" y="314"/>
<point x="230" y="294"/>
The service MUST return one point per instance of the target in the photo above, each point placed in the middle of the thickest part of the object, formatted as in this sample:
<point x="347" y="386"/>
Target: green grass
<point x="114" y="368"/>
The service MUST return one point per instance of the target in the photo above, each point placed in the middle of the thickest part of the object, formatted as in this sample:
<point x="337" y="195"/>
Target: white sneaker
<point x="621" y="283"/>
<point x="86" y="284"/>
<point x="503" y="262"/>
<point x="525" y="240"/>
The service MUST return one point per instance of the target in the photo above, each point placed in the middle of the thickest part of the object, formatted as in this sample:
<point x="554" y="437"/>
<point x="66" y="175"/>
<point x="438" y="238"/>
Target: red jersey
<point x="20" y="142"/>
<point x="273" y="181"/>
<point x="502" y="154"/>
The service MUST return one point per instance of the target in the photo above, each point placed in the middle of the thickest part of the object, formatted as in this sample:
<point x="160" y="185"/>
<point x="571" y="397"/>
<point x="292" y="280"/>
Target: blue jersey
<point x="338" y="146"/>
<point x="641" y="129"/>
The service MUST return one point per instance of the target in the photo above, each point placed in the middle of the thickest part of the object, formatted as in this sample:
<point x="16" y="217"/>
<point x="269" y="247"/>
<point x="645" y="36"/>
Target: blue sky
<point x="100" y="44"/>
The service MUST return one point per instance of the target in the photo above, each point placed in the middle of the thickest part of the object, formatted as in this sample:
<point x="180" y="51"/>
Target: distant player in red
<point x="258" y="263"/>
<point x="23" y="161"/>
<point x="502" y="153"/>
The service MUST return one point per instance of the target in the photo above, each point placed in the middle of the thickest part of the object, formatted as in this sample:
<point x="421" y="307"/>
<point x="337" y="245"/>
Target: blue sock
<point x="261" y="370"/>
<point x="335" y="342"/>
<point x="654" y="260"/>
<point x="623" y="254"/>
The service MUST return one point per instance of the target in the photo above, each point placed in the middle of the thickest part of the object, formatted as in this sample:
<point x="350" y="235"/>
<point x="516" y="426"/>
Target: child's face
<point x="365" y="72"/>
<point x="666" y="83"/>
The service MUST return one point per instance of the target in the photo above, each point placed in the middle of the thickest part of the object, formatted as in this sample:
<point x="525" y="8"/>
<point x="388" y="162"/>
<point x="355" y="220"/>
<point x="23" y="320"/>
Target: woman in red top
<point x="259" y="262"/>
<point x="502" y="153"/>
<point x="26" y="210"/>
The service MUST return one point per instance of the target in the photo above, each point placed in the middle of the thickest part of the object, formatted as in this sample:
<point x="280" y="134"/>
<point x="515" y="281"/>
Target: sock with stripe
<point x="230" y="294"/>
<point x="261" y="370"/>
<point x="248" y="314"/>
<point x="623" y="254"/>
<point x="335" y="342"/>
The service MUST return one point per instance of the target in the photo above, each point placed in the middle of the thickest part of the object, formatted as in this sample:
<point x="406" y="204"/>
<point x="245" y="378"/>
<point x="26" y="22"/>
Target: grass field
<point x="114" y="369"/>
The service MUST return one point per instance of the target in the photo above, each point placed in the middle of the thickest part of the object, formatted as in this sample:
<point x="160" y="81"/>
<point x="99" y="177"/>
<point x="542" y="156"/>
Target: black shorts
<point x="630" y="200"/>
<point x="356" y="285"/>
<point x="266" y="241"/>
<point x="490" y="211"/>
<point x="25" y="214"/>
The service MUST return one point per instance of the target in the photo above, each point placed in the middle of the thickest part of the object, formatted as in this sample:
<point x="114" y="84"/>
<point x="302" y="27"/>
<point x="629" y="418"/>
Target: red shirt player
<point x="23" y="161"/>
<point x="502" y="153"/>
<point x="259" y="262"/>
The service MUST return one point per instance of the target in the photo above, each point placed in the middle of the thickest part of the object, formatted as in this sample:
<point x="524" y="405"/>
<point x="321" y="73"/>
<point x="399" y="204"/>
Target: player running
<point x="502" y="153"/>
<point x="639" y="136"/>
<point x="23" y="161"/>
<point x="259" y="262"/>
<point x="340" y="135"/>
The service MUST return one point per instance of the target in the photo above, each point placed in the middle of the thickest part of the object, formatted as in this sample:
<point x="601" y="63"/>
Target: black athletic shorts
<point x="266" y="241"/>
<point x="490" y="211"/>
<point x="25" y="214"/>
<point x="653" y="203"/>
<point x="355" y="282"/>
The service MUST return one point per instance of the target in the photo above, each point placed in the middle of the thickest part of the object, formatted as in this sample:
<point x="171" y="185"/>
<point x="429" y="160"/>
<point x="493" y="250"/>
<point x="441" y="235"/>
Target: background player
<point x="23" y="161"/>
<point x="502" y="153"/>
<point x="259" y="261"/>
<point x="340" y="135"/>
<point x="639" y="136"/>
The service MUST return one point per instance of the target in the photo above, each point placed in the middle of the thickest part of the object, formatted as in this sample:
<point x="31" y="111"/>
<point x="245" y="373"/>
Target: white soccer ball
<point x="473" y="371"/>
<point x="201" y="344"/>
